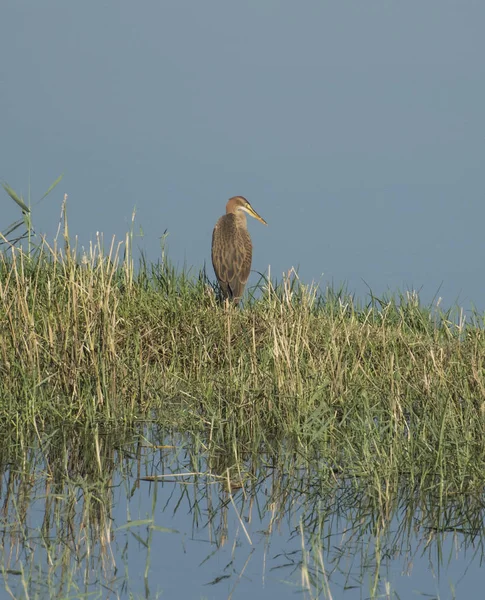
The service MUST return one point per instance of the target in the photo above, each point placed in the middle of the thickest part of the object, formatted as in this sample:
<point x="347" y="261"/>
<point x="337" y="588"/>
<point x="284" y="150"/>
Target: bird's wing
<point x="244" y="256"/>
<point x="222" y="252"/>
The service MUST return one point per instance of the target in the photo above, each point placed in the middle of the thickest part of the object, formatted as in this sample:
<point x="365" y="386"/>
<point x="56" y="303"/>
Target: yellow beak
<point x="250" y="210"/>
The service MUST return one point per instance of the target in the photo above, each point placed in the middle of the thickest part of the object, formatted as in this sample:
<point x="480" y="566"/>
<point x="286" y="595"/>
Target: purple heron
<point x="232" y="249"/>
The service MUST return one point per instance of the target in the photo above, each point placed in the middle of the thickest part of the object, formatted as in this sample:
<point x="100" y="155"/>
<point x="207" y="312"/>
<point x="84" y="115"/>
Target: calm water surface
<point x="96" y="524"/>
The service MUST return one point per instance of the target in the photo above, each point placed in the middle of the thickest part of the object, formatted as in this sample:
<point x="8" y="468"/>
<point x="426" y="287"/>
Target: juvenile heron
<point x="232" y="249"/>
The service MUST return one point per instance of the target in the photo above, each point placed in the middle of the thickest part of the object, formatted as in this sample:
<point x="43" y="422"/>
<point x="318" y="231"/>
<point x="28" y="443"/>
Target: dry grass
<point x="354" y="410"/>
<point x="87" y="338"/>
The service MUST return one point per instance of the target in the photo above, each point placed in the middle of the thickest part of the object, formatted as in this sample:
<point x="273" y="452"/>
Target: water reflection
<point x="117" y="515"/>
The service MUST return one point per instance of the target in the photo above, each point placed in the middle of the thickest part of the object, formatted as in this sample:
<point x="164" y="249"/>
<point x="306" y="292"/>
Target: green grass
<point x="91" y="338"/>
<point x="353" y="408"/>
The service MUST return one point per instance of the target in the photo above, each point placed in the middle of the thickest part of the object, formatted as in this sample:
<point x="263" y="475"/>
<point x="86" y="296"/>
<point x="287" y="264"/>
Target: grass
<point x="375" y="399"/>
<point x="89" y="337"/>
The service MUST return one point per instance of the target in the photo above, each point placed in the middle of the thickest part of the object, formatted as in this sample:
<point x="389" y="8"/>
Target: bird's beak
<point x="250" y="210"/>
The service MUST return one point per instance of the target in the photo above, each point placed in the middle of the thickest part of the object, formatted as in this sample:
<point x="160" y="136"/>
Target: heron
<point x="232" y="248"/>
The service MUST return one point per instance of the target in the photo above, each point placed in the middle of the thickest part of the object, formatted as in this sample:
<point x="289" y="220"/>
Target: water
<point x="86" y="517"/>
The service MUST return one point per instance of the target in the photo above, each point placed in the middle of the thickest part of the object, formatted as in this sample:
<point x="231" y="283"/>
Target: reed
<point x="345" y="408"/>
<point x="89" y="337"/>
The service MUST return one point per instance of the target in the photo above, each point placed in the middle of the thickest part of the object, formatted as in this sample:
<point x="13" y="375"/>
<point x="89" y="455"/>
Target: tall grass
<point x="90" y="337"/>
<point x="350" y="407"/>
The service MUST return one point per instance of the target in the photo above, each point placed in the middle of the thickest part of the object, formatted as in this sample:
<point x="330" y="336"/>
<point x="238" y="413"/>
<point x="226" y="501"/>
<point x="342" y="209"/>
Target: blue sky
<point x="356" y="129"/>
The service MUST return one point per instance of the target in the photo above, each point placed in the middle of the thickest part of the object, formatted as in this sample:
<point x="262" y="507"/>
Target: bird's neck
<point x="241" y="219"/>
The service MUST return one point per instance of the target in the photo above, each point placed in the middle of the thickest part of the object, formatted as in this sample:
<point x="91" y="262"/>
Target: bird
<point x="232" y="248"/>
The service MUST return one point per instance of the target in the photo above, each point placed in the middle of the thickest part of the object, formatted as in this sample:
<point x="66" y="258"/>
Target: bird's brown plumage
<point x="232" y="249"/>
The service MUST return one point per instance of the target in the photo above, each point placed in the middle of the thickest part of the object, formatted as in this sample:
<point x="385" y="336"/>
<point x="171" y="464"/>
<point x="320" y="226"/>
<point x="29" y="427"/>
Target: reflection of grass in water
<point x="378" y="394"/>
<point x="59" y="538"/>
<point x="56" y="526"/>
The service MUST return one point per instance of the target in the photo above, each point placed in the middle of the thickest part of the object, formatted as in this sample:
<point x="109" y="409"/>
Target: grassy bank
<point x="89" y="338"/>
<point x="342" y="408"/>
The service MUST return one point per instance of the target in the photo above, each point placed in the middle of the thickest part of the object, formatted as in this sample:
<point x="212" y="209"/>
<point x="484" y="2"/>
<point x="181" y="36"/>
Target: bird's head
<point x="237" y="203"/>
